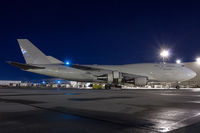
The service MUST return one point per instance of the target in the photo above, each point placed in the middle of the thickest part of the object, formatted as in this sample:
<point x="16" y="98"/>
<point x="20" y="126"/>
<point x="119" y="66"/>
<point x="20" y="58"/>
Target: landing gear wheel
<point x="107" y="87"/>
<point x="177" y="87"/>
<point x="118" y="86"/>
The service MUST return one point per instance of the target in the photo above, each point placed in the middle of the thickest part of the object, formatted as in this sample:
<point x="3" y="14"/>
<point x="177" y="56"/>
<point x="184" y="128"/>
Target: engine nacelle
<point x="114" y="77"/>
<point x="141" y="81"/>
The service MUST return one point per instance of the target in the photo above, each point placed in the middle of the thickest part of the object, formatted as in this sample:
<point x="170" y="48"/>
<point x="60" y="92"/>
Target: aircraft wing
<point x="86" y="68"/>
<point x="24" y="66"/>
<point x="101" y="72"/>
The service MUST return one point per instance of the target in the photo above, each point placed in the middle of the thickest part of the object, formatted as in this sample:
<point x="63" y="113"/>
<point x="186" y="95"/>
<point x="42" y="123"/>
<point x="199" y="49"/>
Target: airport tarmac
<point x="51" y="110"/>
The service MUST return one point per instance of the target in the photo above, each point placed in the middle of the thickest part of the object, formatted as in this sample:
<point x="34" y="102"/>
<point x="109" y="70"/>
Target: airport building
<point x="9" y="83"/>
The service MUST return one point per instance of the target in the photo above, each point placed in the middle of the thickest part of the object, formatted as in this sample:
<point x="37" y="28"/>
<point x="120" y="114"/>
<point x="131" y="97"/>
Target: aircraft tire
<point x="107" y="87"/>
<point x="177" y="87"/>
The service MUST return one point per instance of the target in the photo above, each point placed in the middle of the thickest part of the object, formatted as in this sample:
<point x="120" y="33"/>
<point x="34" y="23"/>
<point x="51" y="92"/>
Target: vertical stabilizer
<point x="32" y="54"/>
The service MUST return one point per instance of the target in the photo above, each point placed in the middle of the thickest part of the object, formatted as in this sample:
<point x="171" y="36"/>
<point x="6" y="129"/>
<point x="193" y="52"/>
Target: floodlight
<point x="178" y="61"/>
<point x="198" y="60"/>
<point x="164" y="53"/>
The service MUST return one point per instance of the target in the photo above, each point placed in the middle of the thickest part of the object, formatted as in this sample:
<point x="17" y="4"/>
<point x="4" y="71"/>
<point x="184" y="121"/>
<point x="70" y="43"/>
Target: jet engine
<point x="116" y="78"/>
<point x="113" y="77"/>
<point x="141" y="81"/>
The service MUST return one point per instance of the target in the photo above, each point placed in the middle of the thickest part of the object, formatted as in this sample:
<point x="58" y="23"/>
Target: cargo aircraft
<point x="112" y="75"/>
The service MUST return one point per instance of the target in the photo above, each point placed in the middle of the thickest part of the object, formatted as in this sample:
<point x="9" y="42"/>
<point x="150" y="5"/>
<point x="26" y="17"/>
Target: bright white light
<point x="178" y="61"/>
<point x="198" y="60"/>
<point x="164" y="53"/>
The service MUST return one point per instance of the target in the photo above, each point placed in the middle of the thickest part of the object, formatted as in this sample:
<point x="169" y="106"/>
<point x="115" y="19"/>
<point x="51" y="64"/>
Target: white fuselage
<point x="158" y="72"/>
<point x="38" y="62"/>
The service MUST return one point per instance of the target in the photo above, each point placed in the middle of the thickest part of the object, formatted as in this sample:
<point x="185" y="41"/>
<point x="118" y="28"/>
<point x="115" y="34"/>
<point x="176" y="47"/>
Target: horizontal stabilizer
<point x="24" y="66"/>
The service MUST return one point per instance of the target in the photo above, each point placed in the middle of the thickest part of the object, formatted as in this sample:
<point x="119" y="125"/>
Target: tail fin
<point x="32" y="54"/>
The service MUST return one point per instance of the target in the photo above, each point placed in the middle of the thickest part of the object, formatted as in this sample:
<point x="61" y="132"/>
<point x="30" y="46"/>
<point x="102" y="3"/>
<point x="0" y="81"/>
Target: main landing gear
<point x="109" y="86"/>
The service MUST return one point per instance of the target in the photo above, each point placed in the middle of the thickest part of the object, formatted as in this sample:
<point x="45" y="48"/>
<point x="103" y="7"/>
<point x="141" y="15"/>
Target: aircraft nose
<point x="190" y="73"/>
<point x="194" y="74"/>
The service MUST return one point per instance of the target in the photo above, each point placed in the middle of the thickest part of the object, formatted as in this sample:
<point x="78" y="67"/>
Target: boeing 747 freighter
<point x="137" y="74"/>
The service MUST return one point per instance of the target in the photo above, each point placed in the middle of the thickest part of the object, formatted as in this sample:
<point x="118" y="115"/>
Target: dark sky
<point x="99" y="32"/>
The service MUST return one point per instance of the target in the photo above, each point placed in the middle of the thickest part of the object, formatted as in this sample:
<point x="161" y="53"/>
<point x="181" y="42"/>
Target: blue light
<point x="43" y="82"/>
<point x="58" y="81"/>
<point x="67" y="63"/>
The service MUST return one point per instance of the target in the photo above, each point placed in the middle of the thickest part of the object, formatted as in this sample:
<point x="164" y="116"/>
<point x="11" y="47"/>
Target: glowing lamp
<point x="164" y="53"/>
<point x="67" y="63"/>
<point x="178" y="61"/>
<point x="198" y="60"/>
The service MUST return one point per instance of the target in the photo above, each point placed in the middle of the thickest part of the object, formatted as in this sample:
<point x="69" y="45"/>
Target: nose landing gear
<point x="177" y="86"/>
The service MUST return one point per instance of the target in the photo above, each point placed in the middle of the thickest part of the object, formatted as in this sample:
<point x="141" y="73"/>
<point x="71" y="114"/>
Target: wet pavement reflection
<point x="87" y="111"/>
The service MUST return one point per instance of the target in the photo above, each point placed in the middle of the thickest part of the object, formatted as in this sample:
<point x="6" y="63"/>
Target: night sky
<point x="98" y="32"/>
